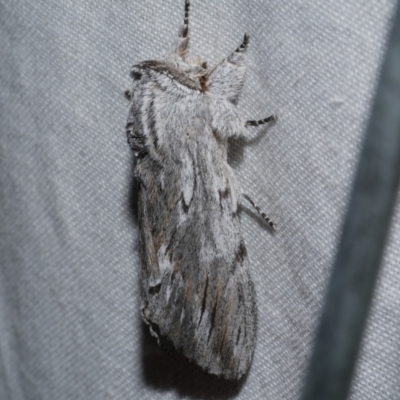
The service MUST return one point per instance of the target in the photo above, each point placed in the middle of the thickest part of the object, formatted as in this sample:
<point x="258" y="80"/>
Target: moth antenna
<point x="185" y="28"/>
<point x="183" y="42"/>
<point x="271" y="118"/>
<point x="244" y="44"/>
<point x="237" y="55"/>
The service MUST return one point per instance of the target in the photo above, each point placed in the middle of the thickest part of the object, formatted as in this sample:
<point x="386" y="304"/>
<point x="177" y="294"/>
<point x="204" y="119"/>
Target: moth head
<point x="193" y="66"/>
<point x="197" y="65"/>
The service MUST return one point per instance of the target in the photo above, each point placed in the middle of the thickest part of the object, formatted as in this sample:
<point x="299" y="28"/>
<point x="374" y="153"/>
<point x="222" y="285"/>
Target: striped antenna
<point x="185" y="28"/>
<point x="183" y="42"/>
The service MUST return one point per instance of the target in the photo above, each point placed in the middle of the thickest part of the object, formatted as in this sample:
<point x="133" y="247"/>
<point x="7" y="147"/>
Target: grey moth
<point x="196" y="285"/>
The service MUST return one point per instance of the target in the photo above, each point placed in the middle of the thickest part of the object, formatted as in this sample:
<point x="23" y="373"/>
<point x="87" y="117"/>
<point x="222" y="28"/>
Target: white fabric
<point x="69" y="307"/>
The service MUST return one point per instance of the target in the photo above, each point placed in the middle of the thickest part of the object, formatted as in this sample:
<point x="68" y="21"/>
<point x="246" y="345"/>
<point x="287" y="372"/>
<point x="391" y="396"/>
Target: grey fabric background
<point x="69" y="308"/>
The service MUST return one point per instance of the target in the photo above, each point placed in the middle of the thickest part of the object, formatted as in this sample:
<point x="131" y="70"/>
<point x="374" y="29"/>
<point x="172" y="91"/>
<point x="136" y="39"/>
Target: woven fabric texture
<point x="70" y="325"/>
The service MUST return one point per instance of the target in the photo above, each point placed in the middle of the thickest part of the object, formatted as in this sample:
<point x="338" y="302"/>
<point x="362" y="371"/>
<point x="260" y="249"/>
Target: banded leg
<point x="270" y="223"/>
<point x="271" y="118"/>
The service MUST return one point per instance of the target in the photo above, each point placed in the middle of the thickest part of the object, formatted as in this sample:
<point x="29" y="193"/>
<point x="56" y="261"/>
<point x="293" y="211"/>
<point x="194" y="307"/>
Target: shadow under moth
<point x="196" y="286"/>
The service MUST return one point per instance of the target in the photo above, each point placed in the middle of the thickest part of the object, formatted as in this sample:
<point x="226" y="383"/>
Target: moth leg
<point x="227" y="121"/>
<point x="271" y="118"/>
<point x="128" y="94"/>
<point x="270" y="223"/>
